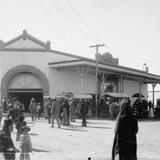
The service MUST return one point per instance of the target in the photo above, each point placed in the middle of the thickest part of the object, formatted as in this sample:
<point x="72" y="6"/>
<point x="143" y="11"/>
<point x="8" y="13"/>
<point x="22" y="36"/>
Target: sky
<point x="128" y="28"/>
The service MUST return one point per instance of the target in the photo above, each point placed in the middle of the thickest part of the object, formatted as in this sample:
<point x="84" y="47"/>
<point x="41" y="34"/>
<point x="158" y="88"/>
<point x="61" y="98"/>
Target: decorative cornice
<point x="24" y="36"/>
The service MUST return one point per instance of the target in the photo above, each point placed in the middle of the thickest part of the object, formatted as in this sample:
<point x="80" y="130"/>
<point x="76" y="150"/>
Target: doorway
<point x="24" y="96"/>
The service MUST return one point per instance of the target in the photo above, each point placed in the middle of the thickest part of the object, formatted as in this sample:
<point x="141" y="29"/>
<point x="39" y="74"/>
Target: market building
<point x="30" y="68"/>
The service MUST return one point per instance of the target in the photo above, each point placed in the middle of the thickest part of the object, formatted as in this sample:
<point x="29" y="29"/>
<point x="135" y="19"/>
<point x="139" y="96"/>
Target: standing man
<point x="55" y="112"/>
<point x="33" y="109"/>
<point x="48" y="109"/>
<point x="84" y="112"/>
<point x="72" y="110"/>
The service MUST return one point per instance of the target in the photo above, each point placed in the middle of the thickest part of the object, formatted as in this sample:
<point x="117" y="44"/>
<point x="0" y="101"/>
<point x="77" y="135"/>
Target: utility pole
<point x="96" y="85"/>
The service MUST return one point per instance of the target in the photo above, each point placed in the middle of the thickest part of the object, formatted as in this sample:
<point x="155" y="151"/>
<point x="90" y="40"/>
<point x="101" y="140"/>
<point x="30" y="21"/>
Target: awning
<point x="83" y="96"/>
<point x="137" y="95"/>
<point x="118" y="95"/>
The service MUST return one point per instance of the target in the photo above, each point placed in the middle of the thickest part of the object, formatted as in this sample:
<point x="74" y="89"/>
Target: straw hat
<point x="7" y="122"/>
<point x="32" y="99"/>
<point x="25" y="128"/>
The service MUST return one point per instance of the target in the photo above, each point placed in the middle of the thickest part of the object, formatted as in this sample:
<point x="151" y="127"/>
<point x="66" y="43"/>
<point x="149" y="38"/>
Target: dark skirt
<point x="8" y="155"/>
<point x="125" y="148"/>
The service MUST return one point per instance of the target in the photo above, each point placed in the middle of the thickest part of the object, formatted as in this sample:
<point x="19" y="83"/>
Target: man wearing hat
<point x="33" y="109"/>
<point x="55" y="112"/>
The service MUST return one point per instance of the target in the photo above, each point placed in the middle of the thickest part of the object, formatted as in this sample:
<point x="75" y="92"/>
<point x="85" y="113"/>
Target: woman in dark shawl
<point x="6" y="144"/>
<point x="125" y="142"/>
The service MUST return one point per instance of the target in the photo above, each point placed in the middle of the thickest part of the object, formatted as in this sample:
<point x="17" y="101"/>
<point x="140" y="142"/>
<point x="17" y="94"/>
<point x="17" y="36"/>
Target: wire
<point x="91" y="31"/>
<point x="82" y="20"/>
<point x="136" y="57"/>
<point x="55" y="24"/>
<point x="73" y="22"/>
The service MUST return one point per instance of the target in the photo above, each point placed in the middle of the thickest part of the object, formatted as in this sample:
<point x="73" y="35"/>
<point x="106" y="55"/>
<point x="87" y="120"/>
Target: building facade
<point x="30" y="68"/>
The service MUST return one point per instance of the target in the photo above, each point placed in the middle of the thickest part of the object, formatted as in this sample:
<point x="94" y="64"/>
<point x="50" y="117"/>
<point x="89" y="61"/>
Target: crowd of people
<point x="61" y="110"/>
<point x="110" y="107"/>
<point x="65" y="111"/>
<point x="15" y="118"/>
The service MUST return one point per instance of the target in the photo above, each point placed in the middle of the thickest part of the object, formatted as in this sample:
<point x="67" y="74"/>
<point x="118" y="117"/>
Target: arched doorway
<point x="25" y="82"/>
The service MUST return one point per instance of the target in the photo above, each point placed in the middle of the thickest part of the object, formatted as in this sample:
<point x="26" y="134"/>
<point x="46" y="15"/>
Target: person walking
<point x="55" y="112"/>
<point x="125" y="142"/>
<point x="14" y="114"/>
<point x="65" y="104"/>
<point x="48" y="109"/>
<point x="33" y="109"/>
<point x="20" y="123"/>
<point x="38" y="110"/>
<point x="64" y="116"/>
<point x="84" y="112"/>
<point x="72" y="110"/>
<point x="25" y="144"/>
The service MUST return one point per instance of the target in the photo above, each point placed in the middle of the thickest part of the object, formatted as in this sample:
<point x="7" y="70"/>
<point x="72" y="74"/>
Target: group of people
<point x="15" y="118"/>
<point x="64" y="111"/>
<point x="110" y="107"/>
<point x="35" y="109"/>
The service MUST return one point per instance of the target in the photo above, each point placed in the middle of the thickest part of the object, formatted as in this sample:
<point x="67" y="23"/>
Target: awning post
<point x="153" y="93"/>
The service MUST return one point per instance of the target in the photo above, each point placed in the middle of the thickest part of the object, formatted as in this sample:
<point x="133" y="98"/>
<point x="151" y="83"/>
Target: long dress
<point x="125" y="142"/>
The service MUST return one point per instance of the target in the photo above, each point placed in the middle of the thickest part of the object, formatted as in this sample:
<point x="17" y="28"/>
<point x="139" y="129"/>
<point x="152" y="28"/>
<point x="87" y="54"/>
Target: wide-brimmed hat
<point x="25" y="128"/>
<point x="21" y="118"/>
<point x="32" y="99"/>
<point x="7" y="123"/>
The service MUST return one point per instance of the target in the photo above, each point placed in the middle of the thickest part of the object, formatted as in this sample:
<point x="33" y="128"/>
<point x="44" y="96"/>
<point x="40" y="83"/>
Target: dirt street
<point x="78" y="143"/>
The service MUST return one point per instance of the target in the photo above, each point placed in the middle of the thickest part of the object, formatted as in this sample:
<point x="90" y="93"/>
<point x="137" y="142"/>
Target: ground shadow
<point x="74" y="126"/>
<point x="33" y="134"/>
<point x="99" y="127"/>
<point x="99" y="122"/>
<point x="74" y="129"/>
<point x="148" y="120"/>
<point x="40" y="150"/>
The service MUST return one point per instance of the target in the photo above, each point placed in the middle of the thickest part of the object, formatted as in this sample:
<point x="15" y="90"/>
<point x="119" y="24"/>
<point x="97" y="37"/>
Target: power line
<point x="82" y="20"/>
<point x="89" y="28"/>
<point x="72" y="21"/>
<point x="55" y="24"/>
<point x="93" y="33"/>
<point x="136" y="57"/>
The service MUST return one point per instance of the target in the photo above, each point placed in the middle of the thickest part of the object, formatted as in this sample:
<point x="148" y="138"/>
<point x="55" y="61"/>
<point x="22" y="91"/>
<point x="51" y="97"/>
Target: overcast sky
<point x="128" y="28"/>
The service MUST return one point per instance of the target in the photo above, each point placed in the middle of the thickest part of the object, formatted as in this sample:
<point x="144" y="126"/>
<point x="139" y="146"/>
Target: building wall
<point x="131" y="87"/>
<point x="70" y="81"/>
<point x="40" y="60"/>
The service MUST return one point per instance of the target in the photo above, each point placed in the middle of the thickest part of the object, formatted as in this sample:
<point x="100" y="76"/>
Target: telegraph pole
<point x="96" y="85"/>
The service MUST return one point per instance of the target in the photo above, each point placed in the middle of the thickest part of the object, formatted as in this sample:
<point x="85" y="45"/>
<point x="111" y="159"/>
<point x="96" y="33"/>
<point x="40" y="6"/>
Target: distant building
<point x="30" y="68"/>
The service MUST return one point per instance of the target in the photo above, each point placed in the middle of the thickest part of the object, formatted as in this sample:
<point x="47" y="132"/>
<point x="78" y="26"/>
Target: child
<point x="25" y="144"/>
<point x="19" y="125"/>
<point x="64" y="117"/>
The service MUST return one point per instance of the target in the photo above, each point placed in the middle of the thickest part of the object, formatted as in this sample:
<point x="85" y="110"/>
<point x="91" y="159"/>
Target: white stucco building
<point x="30" y="68"/>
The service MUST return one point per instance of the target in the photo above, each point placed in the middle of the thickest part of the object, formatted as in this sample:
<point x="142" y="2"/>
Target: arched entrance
<point x="25" y="82"/>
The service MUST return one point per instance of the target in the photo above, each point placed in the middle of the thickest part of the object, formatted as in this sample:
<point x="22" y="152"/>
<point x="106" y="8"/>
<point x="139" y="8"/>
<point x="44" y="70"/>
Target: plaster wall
<point x="39" y="60"/>
<point x="131" y="87"/>
<point x="70" y="81"/>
